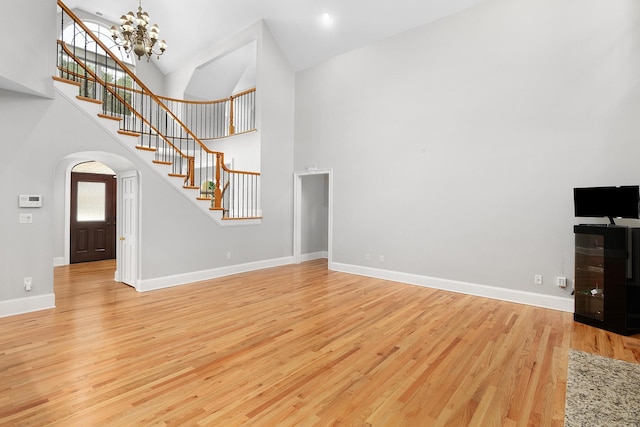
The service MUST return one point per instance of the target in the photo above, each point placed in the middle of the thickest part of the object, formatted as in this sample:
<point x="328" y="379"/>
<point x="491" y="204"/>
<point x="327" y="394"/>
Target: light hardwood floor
<point x="293" y="345"/>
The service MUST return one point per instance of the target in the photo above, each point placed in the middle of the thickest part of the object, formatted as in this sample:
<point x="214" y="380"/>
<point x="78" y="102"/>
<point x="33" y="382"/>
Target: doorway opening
<point x="313" y="216"/>
<point x="126" y="218"/>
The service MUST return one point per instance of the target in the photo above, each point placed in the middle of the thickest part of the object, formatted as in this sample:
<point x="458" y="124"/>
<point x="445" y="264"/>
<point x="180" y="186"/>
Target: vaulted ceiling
<point x="297" y="25"/>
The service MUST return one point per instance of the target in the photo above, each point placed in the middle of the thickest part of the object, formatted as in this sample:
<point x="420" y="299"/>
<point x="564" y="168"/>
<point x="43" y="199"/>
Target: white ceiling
<point x="192" y="25"/>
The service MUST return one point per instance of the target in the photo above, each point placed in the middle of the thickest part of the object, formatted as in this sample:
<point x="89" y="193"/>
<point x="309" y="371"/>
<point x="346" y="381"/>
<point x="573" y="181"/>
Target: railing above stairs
<point x="144" y="115"/>
<point x="219" y="118"/>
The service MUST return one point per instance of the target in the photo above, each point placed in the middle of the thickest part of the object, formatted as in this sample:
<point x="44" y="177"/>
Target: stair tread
<point x="106" y="116"/>
<point x="84" y="98"/>
<point x="140" y="147"/>
<point x="67" y="81"/>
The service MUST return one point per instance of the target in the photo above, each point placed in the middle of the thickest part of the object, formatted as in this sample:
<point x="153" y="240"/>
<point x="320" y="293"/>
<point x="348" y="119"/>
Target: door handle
<point x="122" y="238"/>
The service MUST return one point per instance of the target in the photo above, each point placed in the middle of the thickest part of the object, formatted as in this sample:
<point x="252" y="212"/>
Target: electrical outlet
<point x="537" y="279"/>
<point x="27" y="283"/>
<point x="228" y="255"/>
<point x="562" y="282"/>
<point x="381" y="258"/>
<point x="367" y="256"/>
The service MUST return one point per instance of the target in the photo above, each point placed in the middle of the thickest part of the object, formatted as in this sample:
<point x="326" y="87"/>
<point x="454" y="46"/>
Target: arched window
<point x="76" y="36"/>
<point x="85" y="48"/>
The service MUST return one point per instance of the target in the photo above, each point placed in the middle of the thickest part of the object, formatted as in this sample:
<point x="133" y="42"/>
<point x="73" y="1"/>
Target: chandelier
<point x="135" y="34"/>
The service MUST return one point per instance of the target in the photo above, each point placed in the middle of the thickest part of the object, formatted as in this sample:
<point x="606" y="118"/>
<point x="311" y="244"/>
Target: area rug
<point x="601" y="392"/>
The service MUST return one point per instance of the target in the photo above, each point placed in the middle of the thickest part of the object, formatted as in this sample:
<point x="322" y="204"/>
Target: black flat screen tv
<point x="608" y="202"/>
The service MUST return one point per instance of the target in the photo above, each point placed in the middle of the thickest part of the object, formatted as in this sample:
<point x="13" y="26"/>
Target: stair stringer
<point x="91" y="110"/>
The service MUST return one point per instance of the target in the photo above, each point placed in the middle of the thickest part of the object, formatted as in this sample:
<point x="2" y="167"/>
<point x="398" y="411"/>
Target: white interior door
<point x="128" y="226"/>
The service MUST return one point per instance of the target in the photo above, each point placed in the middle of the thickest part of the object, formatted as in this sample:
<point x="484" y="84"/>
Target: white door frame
<point x="297" y="214"/>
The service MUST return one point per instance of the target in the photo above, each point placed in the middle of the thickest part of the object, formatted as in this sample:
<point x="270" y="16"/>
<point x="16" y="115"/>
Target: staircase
<point x="102" y="86"/>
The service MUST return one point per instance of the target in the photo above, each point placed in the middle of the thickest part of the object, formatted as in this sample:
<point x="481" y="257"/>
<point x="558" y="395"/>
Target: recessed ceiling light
<point x="327" y="19"/>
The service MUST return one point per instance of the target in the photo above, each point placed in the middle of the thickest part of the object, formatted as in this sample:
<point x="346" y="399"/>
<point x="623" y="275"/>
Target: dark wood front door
<point x="93" y="217"/>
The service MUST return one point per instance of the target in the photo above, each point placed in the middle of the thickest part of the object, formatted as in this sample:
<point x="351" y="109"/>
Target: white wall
<point x="275" y="96"/>
<point x="242" y="149"/>
<point x="225" y="75"/>
<point x="275" y="83"/>
<point x="455" y="146"/>
<point x="25" y="249"/>
<point x="177" y="82"/>
<point x="43" y="132"/>
<point x="28" y="50"/>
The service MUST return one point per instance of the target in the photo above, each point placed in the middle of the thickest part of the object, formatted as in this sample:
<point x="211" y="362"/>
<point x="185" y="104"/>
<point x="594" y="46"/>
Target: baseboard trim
<point x="42" y="302"/>
<point x="314" y="255"/>
<point x="214" y="273"/>
<point x="16" y="306"/>
<point x="510" y="295"/>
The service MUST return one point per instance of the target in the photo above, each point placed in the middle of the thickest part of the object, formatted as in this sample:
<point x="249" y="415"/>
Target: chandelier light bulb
<point x="153" y="33"/>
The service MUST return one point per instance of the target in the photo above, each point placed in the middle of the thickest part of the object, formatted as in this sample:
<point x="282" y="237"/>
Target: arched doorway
<point x="127" y="212"/>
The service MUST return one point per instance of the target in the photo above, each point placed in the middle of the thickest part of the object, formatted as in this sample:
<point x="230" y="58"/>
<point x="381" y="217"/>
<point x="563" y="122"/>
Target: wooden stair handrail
<point x="118" y="97"/>
<point x="185" y="101"/>
<point x="214" y="101"/>
<point x="166" y="98"/>
<point x="130" y="74"/>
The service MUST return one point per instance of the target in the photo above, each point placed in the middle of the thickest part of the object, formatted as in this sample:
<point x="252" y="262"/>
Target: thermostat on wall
<point x="30" y="201"/>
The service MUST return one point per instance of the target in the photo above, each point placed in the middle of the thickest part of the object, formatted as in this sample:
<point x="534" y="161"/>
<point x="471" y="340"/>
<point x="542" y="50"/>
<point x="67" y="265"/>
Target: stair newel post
<point x="217" y="193"/>
<point x="232" y="128"/>
<point x="190" y="170"/>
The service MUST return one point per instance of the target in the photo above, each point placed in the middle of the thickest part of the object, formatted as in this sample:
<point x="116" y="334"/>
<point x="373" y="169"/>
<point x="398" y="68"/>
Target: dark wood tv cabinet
<point x="607" y="292"/>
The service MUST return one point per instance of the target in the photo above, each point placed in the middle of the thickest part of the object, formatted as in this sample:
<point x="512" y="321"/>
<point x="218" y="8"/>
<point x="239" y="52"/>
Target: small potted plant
<point x="207" y="190"/>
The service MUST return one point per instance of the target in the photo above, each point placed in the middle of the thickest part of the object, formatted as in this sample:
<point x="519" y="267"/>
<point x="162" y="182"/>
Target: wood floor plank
<point x="294" y="345"/>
